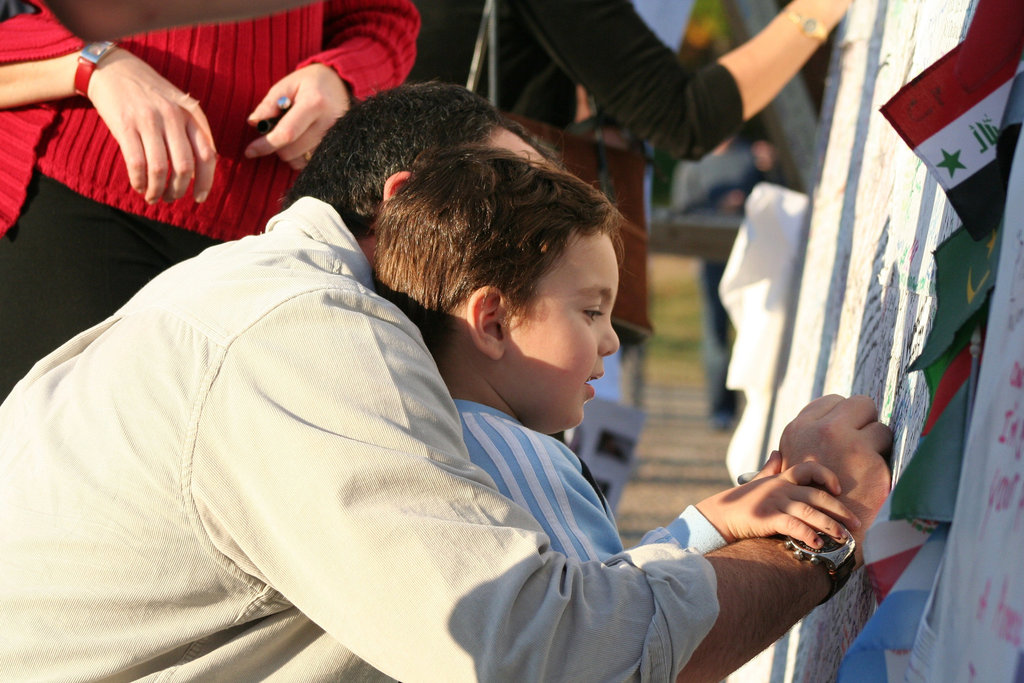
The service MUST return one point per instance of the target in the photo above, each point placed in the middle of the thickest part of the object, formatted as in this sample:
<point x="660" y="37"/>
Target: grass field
<point x="673" y="351"/>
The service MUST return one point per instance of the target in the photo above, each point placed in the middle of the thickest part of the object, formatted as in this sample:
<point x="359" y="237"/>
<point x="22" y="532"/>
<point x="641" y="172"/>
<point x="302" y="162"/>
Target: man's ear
<point x="394" y="182"/>
<point x="485" y="315"/>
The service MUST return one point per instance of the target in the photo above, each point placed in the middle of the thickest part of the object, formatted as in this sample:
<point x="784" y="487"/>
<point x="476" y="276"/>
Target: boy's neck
<point x="469" y="376"/>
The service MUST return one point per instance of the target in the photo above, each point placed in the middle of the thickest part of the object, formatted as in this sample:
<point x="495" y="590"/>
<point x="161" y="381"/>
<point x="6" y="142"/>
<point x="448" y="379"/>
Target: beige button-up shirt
<point x="253" y="471"/>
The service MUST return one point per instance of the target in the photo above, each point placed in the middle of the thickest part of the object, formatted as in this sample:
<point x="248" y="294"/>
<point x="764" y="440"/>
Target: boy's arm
<point x="691" y="529"/>
<point x="762" y="589"/>
<point x="799" y="502"/>
<point x="542" y="475"/>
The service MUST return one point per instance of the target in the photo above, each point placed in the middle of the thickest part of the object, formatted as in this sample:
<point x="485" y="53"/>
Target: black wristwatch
<point x="837" y="558"/>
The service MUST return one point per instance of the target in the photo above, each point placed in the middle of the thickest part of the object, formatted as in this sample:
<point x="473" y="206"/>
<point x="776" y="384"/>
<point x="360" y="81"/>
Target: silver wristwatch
<point x="836" y="557"/>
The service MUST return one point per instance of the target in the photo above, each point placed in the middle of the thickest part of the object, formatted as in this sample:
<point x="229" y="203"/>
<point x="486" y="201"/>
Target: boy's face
<point x="557" y="347"/>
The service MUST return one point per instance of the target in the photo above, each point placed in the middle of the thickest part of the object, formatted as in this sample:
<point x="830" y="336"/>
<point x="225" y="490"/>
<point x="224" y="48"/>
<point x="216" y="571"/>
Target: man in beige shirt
<point x="253" y="471"/>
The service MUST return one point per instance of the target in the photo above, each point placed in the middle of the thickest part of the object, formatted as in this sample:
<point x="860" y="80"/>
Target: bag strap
<point x="595" y="124"/>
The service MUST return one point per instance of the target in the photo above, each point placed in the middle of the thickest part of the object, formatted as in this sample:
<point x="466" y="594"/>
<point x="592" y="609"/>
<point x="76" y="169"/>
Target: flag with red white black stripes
<point x="952" y="115"/>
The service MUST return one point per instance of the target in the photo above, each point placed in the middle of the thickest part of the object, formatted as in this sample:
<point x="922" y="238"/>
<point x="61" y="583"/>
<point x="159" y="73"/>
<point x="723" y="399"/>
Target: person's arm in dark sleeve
<point x="639" y="81"/>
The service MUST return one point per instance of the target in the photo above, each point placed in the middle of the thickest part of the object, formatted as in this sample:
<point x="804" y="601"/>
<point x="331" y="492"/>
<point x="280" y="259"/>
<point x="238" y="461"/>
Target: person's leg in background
<point x="716" y="348"/>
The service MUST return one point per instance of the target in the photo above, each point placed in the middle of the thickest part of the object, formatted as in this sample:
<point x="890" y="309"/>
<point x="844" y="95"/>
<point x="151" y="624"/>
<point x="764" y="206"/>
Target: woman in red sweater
<point x="109" y="173"/>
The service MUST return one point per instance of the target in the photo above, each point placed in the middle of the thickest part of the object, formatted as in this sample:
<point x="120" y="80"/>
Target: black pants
<point x="69" y="263"/>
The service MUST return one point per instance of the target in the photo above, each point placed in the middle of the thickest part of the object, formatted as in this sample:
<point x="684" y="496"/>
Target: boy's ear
<point x="394" y="182"/>
<point x="485" y="315"/>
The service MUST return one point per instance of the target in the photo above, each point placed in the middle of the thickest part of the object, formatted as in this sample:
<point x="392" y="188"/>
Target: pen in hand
<point x="267" y="125"/>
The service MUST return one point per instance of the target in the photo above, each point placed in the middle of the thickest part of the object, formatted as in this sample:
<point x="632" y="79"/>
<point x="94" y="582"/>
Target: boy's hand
<point x="844" y="435"/>
<point x="797" y="502"/>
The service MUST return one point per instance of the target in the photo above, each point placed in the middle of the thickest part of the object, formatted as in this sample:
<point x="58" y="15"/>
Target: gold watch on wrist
<point x="809" y="26"/>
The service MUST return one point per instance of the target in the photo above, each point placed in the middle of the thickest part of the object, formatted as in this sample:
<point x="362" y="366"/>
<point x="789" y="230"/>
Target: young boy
<point x="510" y="270"/>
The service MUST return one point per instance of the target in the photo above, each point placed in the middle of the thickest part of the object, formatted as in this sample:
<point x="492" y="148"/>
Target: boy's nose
<point x="609" y="342"/>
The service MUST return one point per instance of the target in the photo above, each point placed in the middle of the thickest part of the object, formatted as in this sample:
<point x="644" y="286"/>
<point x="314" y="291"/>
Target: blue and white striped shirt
<point x="541" y="474"/>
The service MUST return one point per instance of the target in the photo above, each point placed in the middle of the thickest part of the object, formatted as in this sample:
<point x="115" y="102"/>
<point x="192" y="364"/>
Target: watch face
<point x="828" y="544"/>
<point x="833" y="553"/>
<point x="93" y="51"/>
<point x="835" y="556"/>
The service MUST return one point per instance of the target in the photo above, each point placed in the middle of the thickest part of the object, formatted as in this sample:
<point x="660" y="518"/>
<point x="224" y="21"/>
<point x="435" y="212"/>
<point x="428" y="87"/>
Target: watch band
<point x="809" y="26"/>
<point x="88" y="58"/>
<point x="838" y="560"/>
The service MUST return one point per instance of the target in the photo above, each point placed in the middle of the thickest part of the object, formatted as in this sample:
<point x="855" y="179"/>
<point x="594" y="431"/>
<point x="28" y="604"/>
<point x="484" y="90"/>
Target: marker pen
<point x="267" y="125"/>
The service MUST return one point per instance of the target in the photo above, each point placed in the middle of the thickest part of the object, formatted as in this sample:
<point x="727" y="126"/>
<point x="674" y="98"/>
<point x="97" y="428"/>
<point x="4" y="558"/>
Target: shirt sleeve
<point x="329" y="465"/>
<point x="544" y="476"/>
<point x="370" y="43"/>
<point x="635" y="77"/>
<point x="35" y="35"/>
<point x="693" y="530"/>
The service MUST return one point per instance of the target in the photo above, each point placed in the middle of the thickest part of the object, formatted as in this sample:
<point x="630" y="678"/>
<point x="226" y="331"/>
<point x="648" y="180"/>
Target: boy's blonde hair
<point x="472" y="217"/>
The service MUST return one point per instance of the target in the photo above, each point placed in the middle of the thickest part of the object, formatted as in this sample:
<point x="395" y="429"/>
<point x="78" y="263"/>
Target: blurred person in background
<point x="718" y="185"/>
<point x="547" y="47"/>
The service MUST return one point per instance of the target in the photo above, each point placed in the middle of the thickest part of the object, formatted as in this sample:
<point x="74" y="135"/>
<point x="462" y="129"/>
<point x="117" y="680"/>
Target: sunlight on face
<point x="557" y="347"/>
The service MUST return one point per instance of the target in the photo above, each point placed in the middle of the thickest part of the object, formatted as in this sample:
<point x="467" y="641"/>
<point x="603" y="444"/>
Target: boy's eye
<point x="592" y="314"/>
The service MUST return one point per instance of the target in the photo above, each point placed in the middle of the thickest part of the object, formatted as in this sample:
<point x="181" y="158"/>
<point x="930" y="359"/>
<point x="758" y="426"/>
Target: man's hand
<point x="844" y="435"/>
<point x="163" y="133"/>
<point x="319" y="98"/>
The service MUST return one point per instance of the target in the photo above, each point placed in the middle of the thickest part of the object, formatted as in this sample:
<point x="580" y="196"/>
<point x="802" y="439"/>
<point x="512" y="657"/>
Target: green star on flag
<point x="958" y="104"/>
<point x="950" y="162"/>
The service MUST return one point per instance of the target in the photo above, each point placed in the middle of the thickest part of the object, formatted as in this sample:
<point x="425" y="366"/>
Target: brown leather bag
<point x="585" y="155"/>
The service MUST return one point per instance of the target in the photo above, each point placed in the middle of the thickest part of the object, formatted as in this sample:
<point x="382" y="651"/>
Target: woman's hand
<point x="319" y="98"/>
<point x="163" y="133"/>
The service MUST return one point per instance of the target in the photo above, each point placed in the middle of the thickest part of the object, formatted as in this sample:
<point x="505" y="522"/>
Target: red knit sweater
<point x="228" y="68"/>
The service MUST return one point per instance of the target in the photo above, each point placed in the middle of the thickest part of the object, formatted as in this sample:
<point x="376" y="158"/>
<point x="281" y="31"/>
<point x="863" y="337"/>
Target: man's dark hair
<point x="383" y="135"/>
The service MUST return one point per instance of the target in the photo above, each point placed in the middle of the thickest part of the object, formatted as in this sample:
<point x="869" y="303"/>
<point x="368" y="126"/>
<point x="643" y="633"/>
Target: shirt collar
<point x="319" y="221"/>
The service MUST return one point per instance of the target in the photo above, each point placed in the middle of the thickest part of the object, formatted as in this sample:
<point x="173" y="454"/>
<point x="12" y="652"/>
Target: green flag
<point x="927" y="488"/>
<point x="965" y="272"/>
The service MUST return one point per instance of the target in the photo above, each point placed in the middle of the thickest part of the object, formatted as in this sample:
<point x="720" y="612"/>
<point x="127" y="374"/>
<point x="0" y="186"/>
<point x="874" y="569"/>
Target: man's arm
<point x="762" y="592"/>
